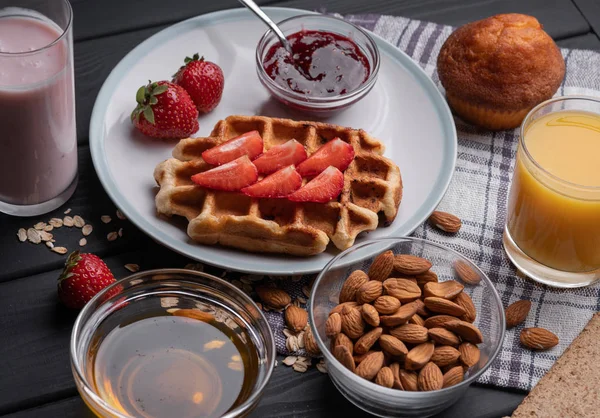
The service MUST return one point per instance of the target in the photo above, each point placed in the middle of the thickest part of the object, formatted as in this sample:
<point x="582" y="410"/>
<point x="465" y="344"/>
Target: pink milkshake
<point x="38" y="144"/>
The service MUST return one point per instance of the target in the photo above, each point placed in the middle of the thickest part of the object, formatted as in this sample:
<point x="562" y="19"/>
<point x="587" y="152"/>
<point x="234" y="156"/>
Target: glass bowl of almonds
<point x="405" y="325"/>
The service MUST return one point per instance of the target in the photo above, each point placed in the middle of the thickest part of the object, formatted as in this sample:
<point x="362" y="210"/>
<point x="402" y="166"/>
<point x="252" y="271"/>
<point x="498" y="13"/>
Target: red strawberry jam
<point x="324" y="64"/>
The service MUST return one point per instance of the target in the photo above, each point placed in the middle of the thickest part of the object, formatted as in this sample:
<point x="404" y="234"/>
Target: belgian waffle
<point x="371" y="195"/>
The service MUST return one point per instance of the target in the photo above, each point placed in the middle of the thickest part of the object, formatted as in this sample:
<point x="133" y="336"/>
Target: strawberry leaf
<point x="149" y="114"/>
<point x="159" y="89"/>
<point x="140" y="96"/>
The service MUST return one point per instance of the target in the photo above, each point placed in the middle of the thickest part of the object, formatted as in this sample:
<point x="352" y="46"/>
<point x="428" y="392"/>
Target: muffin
<point x="497" y="69"/>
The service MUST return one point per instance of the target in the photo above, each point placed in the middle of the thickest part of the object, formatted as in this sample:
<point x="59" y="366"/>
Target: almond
<point x="445" y="221"/>
<point x="443" y="336"/>
<point x="410" y="334"/>
<point x="358" y="358"/>
<point x="466" y="273"/>
<point x="465" y="330"/>
<point x="386" y="305"/>
<point x="370" y="315"/>
<point x="369" y="291"/>
<point x="430" y="377"/>
<point x="344" y="356"/>
<point x="385" y="377"/>
<point x="443" y="306"/>
<point x="409" y="380"/>
<point x="538" y="338"/>
<point x="342" y="339"/>
<point x="517" y="312"/>
<point x="296" y="318"/>
<point x="402" y="289"/>
<point x="310" y="344"/>
<point x="333" y="325"/>
<point x="382" y="266"/>
<point x="446" y="290"/>
<point x="438" y="321"/>
<point x="419" y="356"/>
<point x="351" y="285"/>
<point x="352" y="323"/>
<point x="444" y="355"/>
<point x="395" y="368"/>
<point x="421" y="310"/>
<point x="370" y="366"/>
<point x="338" y="308"/>
<point x="453" y="376"/>
<point x="469" y="354"/>
<point x="273" y="297"/>
<point x="427" y="277"/>
<point x="410" y="264"/>
<point x="465" y="301"/>
<point x="392" y="346"/>
<point x="365" y="342"/>
<point x="417" y="320"/>
<point x="401" y="316"/>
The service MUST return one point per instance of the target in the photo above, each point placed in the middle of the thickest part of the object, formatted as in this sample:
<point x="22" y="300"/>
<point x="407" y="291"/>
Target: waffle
<point x="371" y="195"/>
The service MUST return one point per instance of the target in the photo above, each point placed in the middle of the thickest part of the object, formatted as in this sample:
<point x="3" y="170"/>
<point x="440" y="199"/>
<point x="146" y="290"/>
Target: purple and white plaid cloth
<point x="478" y="194"/>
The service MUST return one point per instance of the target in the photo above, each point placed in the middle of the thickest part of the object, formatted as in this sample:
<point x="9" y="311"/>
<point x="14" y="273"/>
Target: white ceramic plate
<point x="404" y="110"/>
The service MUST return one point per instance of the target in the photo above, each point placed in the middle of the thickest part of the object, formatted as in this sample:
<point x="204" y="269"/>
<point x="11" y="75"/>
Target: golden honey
<point x="178" y="363"/>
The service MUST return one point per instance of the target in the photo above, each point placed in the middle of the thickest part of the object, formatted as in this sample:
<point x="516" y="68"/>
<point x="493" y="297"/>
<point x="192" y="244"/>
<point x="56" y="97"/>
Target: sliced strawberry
<point x="325" y="187"/>
<point x="250" y="144"/>
<point x="232" y="176"/>
<point x="291" y="152"/>
<point x="279" y="184"/>
<point x="336" y="153"/>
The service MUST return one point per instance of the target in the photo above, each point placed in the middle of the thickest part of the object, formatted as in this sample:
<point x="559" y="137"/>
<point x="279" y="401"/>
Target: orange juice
<point x="554" y="202"/>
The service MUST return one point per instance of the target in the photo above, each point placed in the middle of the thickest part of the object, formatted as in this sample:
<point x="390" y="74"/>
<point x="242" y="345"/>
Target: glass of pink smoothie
<point x="38" y="140"/>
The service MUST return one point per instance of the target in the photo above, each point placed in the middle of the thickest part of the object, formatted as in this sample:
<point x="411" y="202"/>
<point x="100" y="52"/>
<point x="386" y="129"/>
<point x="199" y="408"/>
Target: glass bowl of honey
<point x="171" y="343"/>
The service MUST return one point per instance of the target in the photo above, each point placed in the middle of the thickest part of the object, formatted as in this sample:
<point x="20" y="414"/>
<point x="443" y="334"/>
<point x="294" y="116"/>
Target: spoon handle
<point x="267" y="20"/>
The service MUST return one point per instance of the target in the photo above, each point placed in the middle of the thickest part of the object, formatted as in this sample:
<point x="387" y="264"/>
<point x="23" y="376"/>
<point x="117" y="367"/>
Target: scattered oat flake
<point x="236" y="365"/>
<point x="276" y="363"/>
<point x="287" y="332"/>
<point x="68" y="221"/>
<point x="300" y="338"/>
<point x="66" y="212"/>
<point x="87" y="229"/>
<point x="300" y="367"/>
<point x="306" y="291"/>
<point x="292" y="344"/>
<point x="34" y="236"/>
<point x="132" y="267"/>
<point x="60" y="250"/>
<point x="49" y="244"/>
<point x="289" y="360"/>
<point x="301" y="300"/>
<point x="120" y="232"/>
<point x="120" y="215"/>
<point x="214" y="344"/>
<point x="22" y="235"/>
<point x="39" y="226"/>
<point x="105" y="219"/>
<point x="322" y="367"/>
<point x="78" y="221"/>
<point x="56" y="222"/>
<point x="82" y="242"/>
<point x="112" y="236"/>
<point x="48" y="228"/>
<point x="46" y="236"/>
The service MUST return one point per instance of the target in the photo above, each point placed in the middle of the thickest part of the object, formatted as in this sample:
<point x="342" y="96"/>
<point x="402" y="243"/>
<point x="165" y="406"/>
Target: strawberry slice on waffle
<point x="325" y="187"/>
<point x="249" y="143"/>
<point x="232" y="176"/>
<point x="279" y="184"/>
<point x="336" y="153"/>
<point x="289" y="153"/>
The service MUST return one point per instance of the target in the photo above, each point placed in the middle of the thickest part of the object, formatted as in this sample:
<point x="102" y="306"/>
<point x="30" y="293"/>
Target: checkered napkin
<point x="478" y="194"/>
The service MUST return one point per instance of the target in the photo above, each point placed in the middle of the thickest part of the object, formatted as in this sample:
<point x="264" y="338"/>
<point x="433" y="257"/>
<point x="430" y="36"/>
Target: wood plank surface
<point x="94" y="18"/>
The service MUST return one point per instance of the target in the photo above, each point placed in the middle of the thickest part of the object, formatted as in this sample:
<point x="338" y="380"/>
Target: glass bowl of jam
<point x="171" y="343"/>
<point x="334" y="63"/>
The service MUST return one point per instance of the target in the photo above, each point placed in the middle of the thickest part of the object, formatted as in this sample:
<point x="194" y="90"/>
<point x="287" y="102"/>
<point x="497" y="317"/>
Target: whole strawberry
<point x="164" y="110"/>
<point x="84" y="275"/>
<point x="203" y="80"/>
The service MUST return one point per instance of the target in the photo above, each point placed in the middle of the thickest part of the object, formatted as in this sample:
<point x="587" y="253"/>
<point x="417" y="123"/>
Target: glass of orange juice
<point x="552" y="232"/>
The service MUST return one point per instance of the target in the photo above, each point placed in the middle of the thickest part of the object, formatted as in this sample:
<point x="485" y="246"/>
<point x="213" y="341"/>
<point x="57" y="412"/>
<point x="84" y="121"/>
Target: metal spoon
<point x="262" y="16"/>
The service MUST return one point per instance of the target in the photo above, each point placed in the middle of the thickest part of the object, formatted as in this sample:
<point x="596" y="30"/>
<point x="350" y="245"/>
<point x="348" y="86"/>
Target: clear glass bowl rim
<point x="395" y="392"/>
<point x="526" y="121"/>
<point x="242" y="409"/>
<point x="364" y="87"/>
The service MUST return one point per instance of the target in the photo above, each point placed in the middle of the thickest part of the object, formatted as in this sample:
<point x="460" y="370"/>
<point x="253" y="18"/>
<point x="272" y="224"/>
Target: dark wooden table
<point x="35" y="375"/>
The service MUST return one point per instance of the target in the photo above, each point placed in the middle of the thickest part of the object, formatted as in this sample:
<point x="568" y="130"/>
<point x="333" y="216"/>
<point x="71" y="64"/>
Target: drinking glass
<point x="552" y="232"/>
<point x="38" y="145"/>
